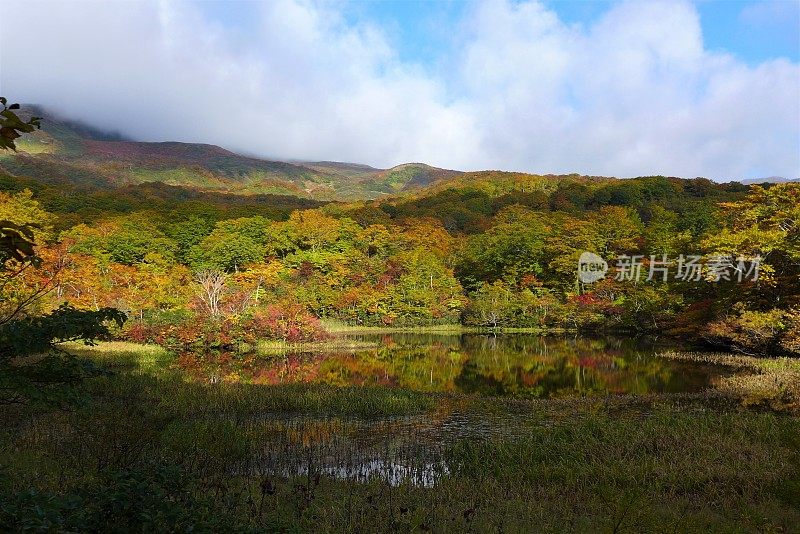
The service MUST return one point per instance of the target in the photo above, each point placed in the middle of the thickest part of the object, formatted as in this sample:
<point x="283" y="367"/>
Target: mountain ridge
<point x="66" y="150"/>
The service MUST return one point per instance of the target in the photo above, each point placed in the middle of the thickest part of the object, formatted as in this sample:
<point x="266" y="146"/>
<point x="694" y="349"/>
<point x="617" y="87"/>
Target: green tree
<point x="12" y="127"/>
<point x="232" y="245"/>
<point x="509" y="251"/>
<point x="188" y="233"/>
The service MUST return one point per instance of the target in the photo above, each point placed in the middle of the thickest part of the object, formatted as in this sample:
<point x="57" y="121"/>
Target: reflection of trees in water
<point x="471" y="380"/>
<point x="490" y="365"/>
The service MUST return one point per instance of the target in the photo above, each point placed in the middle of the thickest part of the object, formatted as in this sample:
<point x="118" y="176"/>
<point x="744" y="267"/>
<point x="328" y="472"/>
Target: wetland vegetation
<point x="152" y="448"/>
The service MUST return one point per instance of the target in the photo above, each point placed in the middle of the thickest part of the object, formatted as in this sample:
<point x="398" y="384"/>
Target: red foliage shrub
<point x="289" y="322"/>
<point x="198" y="332"/>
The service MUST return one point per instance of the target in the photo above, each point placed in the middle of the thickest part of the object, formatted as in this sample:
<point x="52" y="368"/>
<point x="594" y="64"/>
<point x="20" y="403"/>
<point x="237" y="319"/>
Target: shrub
<point x="752" y="331"/>
<point x="286" y="322"/>
<point x="790" y="340"/>
<point x="149" y="499"/>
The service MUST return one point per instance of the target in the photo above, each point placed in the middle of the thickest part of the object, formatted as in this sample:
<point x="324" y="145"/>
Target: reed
<point x="766" y="382"/>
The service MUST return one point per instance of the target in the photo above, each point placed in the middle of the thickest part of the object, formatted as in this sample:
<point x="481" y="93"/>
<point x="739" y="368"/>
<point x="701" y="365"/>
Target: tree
<point x="22" y="223"/>
<point x="188" y="233"/>
<point x="51" y="377"/>
<point x="212" y="289"/>
<point x="498" y="304"/>
<point x="12" y="127"/>
<point x="509" y="251"/>
<point x="663" y="235"/>
<point x="618" y="228"/>
<point x="126" y="239"/>
<point x="491" y="305"/>
<point x="232" y="245"/>
<point x="16" y="243"/>
<point x="759" y="315"/>
<point x="765" y="223"/>
<point x="563" y="247"/>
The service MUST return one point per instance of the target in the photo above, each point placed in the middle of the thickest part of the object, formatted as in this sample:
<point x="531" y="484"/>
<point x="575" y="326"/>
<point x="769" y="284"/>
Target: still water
<point x="504" y="365"/>
<point x="413" y="448"/>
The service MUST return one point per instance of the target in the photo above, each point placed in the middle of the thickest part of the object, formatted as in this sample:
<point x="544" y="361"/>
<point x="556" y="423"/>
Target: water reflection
<point x="519" y="365"/>
<point x="397" y="450"/>
<point x="393" y="449"/>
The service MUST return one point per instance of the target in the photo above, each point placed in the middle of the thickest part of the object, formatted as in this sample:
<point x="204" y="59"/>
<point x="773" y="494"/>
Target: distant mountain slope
<point x="66" y="151"/>
<point x="769" y="180"/>
<point x="376" y="183"/>
<point x="415" y="175"/>
<point x="467" y="203"/>
<point x="80" y="155"/>
<point x="338" y="167"/>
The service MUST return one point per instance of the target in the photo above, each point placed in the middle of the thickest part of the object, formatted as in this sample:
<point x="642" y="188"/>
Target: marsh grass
<point x="121" y="354"/>
<point x="154" y="451"/>
<point x="766" y="382"/>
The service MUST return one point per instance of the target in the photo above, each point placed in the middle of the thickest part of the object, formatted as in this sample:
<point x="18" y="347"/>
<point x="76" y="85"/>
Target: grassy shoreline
<point x="273" y="347"/>
<point x="338" y="327"/>
<point x="772" y="383"/>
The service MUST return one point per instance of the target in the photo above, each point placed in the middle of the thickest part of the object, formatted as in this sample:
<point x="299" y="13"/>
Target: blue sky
<point x="630" y="88"/>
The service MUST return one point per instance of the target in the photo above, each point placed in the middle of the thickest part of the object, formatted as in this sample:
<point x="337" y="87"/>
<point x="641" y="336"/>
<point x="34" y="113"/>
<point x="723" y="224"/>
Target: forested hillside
<point x="485" y="249"/>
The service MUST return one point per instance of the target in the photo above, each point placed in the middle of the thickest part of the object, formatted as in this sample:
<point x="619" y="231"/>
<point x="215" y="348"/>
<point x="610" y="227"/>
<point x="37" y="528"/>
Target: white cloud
<point x="634" y="93"/>
<point x="308" y="86"/>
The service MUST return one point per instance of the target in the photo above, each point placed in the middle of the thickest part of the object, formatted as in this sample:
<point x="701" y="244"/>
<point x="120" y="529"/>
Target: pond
<point x="521" y="365"/>
<point x="413" y="448"/>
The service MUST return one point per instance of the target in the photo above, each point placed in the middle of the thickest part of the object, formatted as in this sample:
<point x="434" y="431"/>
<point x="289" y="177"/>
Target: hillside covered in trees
<point x="290" y="266"/>
<point x="487" y="249"/>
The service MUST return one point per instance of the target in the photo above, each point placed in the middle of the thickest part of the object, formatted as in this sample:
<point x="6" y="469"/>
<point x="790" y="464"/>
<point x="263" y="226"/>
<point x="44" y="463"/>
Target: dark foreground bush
<point x="149" y="499"/>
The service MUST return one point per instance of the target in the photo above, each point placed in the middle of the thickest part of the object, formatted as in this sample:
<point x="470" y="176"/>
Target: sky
<point x="629" y="88"/>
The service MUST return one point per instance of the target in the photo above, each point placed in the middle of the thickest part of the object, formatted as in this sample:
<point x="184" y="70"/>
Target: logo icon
<point x="591" y="268"/>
